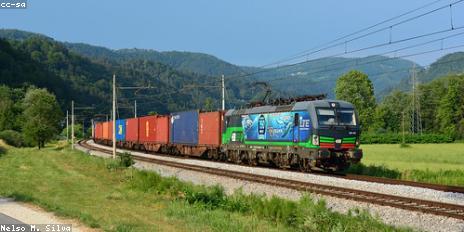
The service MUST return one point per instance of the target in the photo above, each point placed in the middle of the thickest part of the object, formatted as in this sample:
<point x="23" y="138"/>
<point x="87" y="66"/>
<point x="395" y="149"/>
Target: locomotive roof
<point x="305" y="105"/>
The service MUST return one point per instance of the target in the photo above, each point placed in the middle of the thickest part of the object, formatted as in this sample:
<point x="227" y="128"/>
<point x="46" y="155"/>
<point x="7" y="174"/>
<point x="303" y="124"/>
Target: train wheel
<point x="238" y="157"/>
<point x="252" y="160"/>
<point x="305" y="165"/>
<point x="215" y="156"/>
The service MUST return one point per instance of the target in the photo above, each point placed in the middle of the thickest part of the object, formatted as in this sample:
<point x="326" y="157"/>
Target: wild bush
<point x="126" y="160"/>
<point x="13" y="138"/>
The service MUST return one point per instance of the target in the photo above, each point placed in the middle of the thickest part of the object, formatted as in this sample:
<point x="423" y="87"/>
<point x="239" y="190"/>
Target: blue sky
<point x="244" y="32"/>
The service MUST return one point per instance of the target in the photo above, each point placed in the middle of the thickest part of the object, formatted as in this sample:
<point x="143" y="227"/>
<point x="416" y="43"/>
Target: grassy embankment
<point x="433" y="163"/>
<point x="90" y="189"/>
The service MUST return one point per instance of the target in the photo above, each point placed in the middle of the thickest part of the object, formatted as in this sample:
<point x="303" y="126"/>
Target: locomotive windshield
<point x="326" y="117"/>
<point x="343" y="117"/>
<point x="347" y="117"/>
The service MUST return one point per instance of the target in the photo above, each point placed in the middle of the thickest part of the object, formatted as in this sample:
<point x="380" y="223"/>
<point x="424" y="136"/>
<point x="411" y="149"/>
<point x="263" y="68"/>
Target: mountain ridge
<point x="312" y="77"/>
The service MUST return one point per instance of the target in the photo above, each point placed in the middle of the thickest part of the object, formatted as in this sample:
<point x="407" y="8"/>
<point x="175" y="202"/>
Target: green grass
<point x="92" y="190"/>
<point x="433" y="163"/>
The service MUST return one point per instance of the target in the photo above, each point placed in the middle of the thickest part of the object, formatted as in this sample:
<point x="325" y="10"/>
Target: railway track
<point x="381" y="180"/>
<point x="444" y="188"/>
<point x="424" y="206"/>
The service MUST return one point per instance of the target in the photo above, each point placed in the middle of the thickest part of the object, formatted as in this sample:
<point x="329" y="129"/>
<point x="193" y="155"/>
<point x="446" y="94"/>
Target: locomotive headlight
<point x="316" y="140"/>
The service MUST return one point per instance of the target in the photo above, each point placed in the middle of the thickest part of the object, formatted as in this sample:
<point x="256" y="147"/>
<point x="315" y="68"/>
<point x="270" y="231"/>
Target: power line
<point x="381" y="54"/>
<point x="337" y="55"/>
<point x="381" y="60"/>
<point x="366" y="48"/>
<point x="353" y="33"/>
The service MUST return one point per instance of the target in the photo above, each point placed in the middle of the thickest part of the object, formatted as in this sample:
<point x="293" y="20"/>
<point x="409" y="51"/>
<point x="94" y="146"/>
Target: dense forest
<point x="43" y="62"/>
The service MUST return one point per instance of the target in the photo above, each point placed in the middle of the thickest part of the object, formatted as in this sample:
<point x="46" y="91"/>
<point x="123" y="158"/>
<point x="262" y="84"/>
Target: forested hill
<point x="320" y="75"/>
<point x="39" y="62"/>
<point x="42" y="62"/>
<point x="317" y="76"/>
<point x="184" y="61"/>
<point x="450" y="64"/>
<point x="447" y="65"/>
<point x="314" y="77"/>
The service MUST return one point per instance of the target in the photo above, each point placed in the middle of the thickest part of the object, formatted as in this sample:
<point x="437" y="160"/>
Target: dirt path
<point x="31" y="214"/>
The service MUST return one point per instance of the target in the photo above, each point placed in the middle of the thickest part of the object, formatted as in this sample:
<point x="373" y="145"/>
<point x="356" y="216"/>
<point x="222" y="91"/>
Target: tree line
<point x="29" y="116"/>
<point x="439" y="104"/>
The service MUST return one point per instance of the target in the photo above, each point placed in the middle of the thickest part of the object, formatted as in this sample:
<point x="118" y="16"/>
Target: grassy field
<point x="434" y="163"/>
<point x="90" y="189"/>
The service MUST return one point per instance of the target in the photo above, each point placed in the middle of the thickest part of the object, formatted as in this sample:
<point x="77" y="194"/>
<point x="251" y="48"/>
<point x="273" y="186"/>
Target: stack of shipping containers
<point x="184" y="128"/>
<point x="120" y="130"/>
<point x="132" y="130"/>
<point x="154" y="129"/>
<point x="98" y="131"/>
<point x="189" y="128"/>
<point x="210" y="130"/>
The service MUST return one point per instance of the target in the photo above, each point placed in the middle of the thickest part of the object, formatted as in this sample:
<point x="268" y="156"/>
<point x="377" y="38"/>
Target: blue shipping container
<point x="184" y="128"/>
<point x="120" y="130"/>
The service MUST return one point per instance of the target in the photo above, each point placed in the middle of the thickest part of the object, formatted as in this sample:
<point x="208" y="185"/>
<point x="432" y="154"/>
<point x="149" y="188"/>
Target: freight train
<point x="307" y="135"/>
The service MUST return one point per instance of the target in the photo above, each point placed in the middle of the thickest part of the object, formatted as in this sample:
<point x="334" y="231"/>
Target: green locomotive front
<point x="321" y="134"/>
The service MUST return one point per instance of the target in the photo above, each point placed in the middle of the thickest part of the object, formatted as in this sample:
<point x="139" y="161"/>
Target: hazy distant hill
<point x="449" y="64"/>
<point x="320" y="75"/>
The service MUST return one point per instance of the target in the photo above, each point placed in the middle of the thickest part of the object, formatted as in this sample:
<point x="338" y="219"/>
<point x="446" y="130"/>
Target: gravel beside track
<point x="389" y="215"/>
<point x="396" y="190"/>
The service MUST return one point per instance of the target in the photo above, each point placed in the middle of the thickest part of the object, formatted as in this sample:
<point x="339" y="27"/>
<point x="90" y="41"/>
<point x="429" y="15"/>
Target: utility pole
<point x="114" y="116"/>
<point x="67" y="126"/>
<point x="416" y="121"/>
<point x="114" y="109"/>
<point x="402" y="124"/>
<point x="83" y="129"/>
<point x="135" y="109"/>
<point x="413" y="115"/>
<point x="223" y="94"/>
<point x="418" y="106"/>
<point x="93" y="128"/>
<point x="72" y="124"/>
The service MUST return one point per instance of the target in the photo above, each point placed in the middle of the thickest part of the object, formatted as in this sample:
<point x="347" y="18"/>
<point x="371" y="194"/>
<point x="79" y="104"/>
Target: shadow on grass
<point x="373" y="170"/>
<point x="405" y="145"/>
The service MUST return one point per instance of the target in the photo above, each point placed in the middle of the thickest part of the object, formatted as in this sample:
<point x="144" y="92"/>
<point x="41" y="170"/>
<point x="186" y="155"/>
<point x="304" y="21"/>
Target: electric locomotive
<point x="309" y="135"/>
